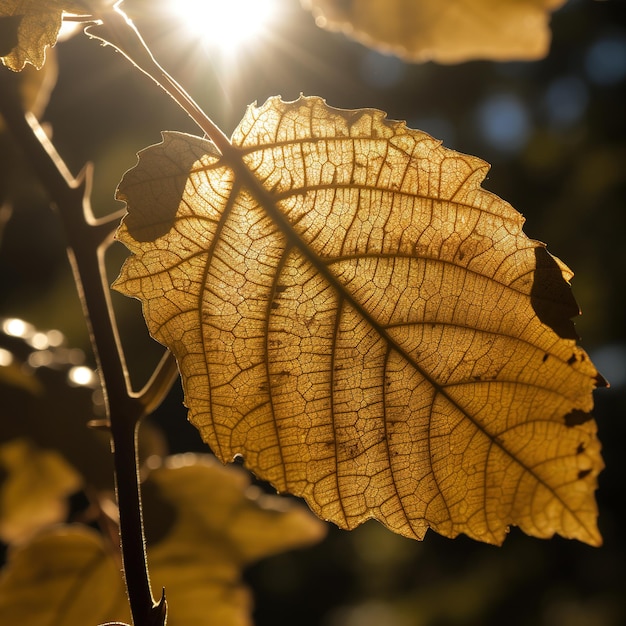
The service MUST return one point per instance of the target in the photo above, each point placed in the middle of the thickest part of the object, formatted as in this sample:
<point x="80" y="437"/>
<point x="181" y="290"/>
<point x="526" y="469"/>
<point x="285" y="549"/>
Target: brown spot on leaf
<point x="577" y="417"/>
<point x="551" y="296"/>
<point x="583" y="473"/>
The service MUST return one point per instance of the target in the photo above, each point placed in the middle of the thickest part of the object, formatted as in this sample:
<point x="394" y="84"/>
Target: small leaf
<point x="28" y="27"/>
<point x="356" y="316"/>
<point x="447" y="32"/>
<point x="34" y="87"/>
<point x="64" y="577"/>
<point x="34" y="491"/>
<point x="221" y="525"/>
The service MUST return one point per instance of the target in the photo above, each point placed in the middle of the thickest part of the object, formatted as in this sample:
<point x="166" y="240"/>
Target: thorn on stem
<point x="159" y="611"/>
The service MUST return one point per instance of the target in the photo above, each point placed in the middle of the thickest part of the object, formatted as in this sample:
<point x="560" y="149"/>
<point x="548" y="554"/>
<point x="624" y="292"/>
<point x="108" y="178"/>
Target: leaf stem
<point x="161" y="381"/>
<point x="116" y="29"/>
<point x="88" y="240"/>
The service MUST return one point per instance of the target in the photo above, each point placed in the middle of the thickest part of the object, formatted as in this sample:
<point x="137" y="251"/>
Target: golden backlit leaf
<point x="447" y="32"/>
<point x="29" y="27"/>
<point x="35" y="488"/>
<point x="366" y="325"/>
<point x="214" y="525"/>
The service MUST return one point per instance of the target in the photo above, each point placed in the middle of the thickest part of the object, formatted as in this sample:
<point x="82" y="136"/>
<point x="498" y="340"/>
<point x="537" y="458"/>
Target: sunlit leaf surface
<point x="366" y="325"/>
<point x="29" y="27"/>
<point x="448" y="32"/>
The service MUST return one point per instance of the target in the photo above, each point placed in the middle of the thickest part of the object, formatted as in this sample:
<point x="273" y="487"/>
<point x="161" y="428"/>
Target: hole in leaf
<point x="551" y="296"/>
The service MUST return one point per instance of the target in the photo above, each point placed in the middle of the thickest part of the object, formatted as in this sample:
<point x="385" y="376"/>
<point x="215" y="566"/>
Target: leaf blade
<point x="221" y="525"/>
<point x="30" y="28"/>
<point x="340" y="252"/>
<point x="453" y="32"/>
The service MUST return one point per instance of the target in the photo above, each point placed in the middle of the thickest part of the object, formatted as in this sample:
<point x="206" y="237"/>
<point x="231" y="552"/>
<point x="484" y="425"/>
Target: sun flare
<point x="225" y="25"/>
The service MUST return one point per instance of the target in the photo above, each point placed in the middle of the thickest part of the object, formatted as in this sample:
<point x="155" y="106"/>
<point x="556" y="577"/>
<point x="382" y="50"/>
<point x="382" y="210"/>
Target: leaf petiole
<point x="114" y="28"/>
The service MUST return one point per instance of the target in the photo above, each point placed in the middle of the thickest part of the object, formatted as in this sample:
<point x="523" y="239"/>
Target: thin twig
<point x="116" y="29"/>
<point x="88" y="240"/>
<point x="161" y="381"/>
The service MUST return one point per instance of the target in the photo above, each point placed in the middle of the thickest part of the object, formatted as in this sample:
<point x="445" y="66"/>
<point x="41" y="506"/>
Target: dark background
<point x="553" y="131"/>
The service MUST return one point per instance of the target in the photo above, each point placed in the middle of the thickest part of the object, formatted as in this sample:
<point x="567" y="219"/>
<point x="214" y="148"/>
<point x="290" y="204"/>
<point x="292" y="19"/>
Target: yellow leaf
<point x="64" y="577"/>
<point x="221" y="524"/>
<point x="34" y="493"/>
<point x="34" y="86"/>
<point x="366" y="325"/>
<point x="28" y="27"/>
<point x="447" y="32"/>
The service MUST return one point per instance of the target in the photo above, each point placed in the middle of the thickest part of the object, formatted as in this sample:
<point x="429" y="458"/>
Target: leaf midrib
<point x="233" y="157"/>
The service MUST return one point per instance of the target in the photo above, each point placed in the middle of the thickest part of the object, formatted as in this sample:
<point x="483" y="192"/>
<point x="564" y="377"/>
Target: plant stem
<point x="88" y="240"/>
<point x="142" y="605"/>
<point x="116" y="29"/>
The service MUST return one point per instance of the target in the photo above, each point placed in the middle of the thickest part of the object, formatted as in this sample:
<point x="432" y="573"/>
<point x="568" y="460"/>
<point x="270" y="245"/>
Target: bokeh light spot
<point x="39" y="341"/>
<point x="42" y="358"/>
<point x="6" y="358"/>
<point x="605" y="60"/>
<point x="55" y="338"/>
<point x="15" y="327"/>
<point x="566" y="100"/>
<point x="504" y="122"/>
<point x="81" y="376"/>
